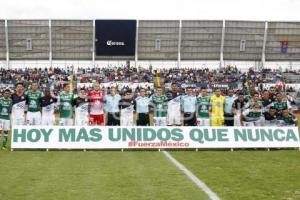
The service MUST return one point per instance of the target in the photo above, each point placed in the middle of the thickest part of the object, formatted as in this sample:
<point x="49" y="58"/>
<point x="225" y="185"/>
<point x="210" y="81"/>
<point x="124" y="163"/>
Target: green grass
<point x="243" y="175"/>
<point x="143" y="175"/>
<point x="135" y="175"/>
<point x="72" y="175"/>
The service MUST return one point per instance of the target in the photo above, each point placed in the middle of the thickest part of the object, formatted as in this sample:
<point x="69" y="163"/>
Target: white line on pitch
<point x="192" y="177"/>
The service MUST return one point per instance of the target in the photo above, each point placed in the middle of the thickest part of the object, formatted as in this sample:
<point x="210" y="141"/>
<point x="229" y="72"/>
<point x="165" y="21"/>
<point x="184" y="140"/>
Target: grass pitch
<point x="243" y="175"/>
<point x="72" y="175"/>
<point x="148" y="175"/>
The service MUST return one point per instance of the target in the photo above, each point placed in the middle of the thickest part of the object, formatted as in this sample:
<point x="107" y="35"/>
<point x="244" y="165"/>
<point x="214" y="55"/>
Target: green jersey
<point x="66" y="102"/>
<point x="34" y="101"/>
<point x="288" y="120"/>
<point x="279" y="106"/>
<point x="160" y="104"/>
<point x="252" y="115"/>
<point x="251" y="103"/>
<point x="203" y="104"/>
<point x="248" y="97"/>
<point x="5" y="108"/>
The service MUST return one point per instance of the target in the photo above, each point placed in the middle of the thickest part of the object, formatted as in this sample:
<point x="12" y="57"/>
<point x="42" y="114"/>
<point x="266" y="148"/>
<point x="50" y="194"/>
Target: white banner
<point x="75" y="137"/>
<point x="133" y="86"/>
<point x="295" y="86"/>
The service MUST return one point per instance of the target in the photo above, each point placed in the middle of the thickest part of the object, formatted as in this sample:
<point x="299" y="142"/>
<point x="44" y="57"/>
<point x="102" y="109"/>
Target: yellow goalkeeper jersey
<point x="217" y="105"/>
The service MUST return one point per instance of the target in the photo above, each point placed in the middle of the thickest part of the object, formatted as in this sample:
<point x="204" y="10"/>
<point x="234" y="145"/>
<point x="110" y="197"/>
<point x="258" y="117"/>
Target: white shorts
<point x="66" y="121"/>
<point x="18" y="119"/>
<point x="203" y="122"/>
<point x="174" y="118"/>
<point x="48" y="119"/>
<point x="237" y="120"/>
<point x="160" y="121"/>
<point x="271" y="123"/>
<point x="81" y="121"/>
<point x="34" y="118"/>
<point x="126" y="118"/>
<point x="254" y="123"/>
<point x="4" y="124"/>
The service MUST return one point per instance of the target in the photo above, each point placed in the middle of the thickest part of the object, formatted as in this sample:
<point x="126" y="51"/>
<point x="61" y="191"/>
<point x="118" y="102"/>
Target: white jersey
<point x="82" y="108"/>
<point x="48" y="105"/>
<point x="174" y="102"/>
<point x="48" y="109"/>
<point x="19" y="105"/>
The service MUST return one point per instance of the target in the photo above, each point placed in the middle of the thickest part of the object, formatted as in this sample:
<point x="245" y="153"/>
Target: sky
<point x="262" y="10"/>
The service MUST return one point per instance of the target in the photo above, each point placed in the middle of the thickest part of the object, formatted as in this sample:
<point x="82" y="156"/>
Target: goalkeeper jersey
<point x="217" y="105"/>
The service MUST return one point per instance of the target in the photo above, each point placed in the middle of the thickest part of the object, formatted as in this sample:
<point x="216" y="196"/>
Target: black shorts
<point x="113" y="119"/>
<point x="228" y="119"/>
<point x="142" y="119"/>
<point x="189" y="119"/>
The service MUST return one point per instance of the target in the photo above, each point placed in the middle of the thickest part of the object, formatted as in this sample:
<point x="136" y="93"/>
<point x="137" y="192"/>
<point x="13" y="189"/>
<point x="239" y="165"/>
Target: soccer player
<point x="5" y="110"/>
<point x="270" y="118"/>
<point x="66" y="103"/>
<point x="33" y="100"/>
<point x="272" y="93"/>
<point x="286" y="118"/>
<point x="160" y="106"/>
<point x="19" y="103"/>
<point x="237" y="108"/>
<point x="112" y="107"/>
<point x="265" y="100"/>
<point x="228" y="114"/>
<point x="250" y="94"/>
<point x="174" y="100"/>
<point x="81" y="109"/>
<point x="217" y="108"/>
<point x="126" y="105"/>
<point x="252" y="116"/>
<point x="96" y="99"/>
<point x="47" y="104"/>
<point x="141" y="106"/>
<point x="280" y="104"/>
<point x="253" y="101"/>
<point x="203" y="108"/>
<point x="189" y="102"/>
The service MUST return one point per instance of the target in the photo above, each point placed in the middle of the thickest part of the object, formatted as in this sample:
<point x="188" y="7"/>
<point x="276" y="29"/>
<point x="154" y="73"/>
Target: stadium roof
<point x="264" y="10"/>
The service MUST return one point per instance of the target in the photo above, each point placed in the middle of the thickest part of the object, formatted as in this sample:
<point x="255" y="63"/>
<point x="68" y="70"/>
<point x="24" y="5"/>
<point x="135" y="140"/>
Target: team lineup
<point x="171" y="108"/>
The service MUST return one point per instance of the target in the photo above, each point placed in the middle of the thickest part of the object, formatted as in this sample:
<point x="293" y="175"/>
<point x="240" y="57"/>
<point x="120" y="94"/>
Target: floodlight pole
<point x="7" y="44"/>
<point x="136" y="44"/>
<point x="263" y="55"/>
<point x="50" y="43"/>
<point x="179" y="44"/>
<point x="222" y="45"/>
<point x="93" y="48"/>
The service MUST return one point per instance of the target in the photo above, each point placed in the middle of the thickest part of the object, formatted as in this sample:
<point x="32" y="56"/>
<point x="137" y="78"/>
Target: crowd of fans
<point x="227" y="75"/>
<point x="115" y="74"/>
<point x="53" y="78"/>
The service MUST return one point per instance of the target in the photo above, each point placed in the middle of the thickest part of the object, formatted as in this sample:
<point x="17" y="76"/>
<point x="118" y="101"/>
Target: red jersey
<point x="96" y="99"/>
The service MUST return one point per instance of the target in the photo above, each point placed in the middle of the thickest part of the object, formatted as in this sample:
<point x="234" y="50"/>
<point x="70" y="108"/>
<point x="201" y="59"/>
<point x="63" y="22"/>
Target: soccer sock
<point x="5" y="138"/>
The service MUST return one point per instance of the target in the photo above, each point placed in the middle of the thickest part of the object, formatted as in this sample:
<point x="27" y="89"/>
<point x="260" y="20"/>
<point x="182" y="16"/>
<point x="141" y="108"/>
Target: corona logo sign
<point x="114" y="43"/>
